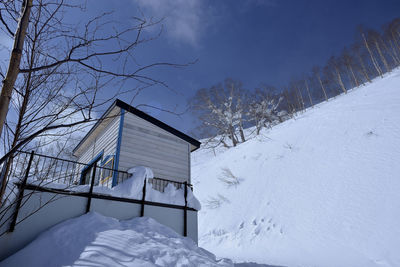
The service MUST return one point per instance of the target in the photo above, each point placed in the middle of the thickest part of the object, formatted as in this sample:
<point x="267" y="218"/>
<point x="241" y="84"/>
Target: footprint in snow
<point x="257" y="230"/>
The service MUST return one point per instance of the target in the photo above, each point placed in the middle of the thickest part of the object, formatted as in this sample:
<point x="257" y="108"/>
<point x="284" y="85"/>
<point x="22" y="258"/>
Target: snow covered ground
<point x="95" y="240"/>
<point x="322" y="189"/>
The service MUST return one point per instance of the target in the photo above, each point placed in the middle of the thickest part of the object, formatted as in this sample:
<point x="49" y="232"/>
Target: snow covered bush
<point x="216" y="202"/>
<point x="228" y="178"/>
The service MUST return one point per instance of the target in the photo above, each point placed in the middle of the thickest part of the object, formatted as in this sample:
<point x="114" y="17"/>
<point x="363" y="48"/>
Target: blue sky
<point x="255" y="41"/>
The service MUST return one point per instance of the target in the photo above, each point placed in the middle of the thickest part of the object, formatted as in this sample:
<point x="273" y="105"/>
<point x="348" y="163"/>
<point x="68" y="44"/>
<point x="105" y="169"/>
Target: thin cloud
<point x="185" y="20"/>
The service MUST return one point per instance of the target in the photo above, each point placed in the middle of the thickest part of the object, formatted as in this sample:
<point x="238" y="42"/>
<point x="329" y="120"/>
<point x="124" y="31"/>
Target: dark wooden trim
<point x="143" y="198"/>
<point x="119" y="103"/>
<point x="21" y="195"/>
<point x="106" y="197"/>
<point x="185" y="212"/>
<point x="157" y="122"/>
<point x="89" y="202"/>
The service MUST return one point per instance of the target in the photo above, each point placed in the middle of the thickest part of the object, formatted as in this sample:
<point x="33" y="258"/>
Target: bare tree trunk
<point x="291" y="107"/>
<point x="339" y="77"/>
<point x="350" y="69"/>
<point x="232" y="136"/>
<point x="395" y="40"/>
<point x="382" y="56"/>
<point x="15" y="59"/>
<point x="308" y="92"/>
<point x="322" y="86"/>
<point x="372" y="56"/>
<point x="21" y="115"/>
<point x="258" y="128"/>
<point x="394" y="53"/>
<point x="301" y="98"/>
<point x="242" y="133"/>
<point x="363" y="68"/>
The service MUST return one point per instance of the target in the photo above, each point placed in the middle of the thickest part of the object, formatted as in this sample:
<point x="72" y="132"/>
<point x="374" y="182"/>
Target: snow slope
<point x="322" y="189"/>
<point x="95" y="240"/>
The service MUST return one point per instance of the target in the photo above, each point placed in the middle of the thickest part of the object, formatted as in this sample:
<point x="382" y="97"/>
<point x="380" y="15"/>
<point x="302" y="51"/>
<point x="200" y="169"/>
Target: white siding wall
<point x="106" y="140"/>
<point x="145" y="144"/>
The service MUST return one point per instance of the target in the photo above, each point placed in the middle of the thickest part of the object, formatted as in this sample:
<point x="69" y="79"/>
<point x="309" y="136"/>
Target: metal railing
<point x="37" y="172"/>
<point x="46" y="170"/>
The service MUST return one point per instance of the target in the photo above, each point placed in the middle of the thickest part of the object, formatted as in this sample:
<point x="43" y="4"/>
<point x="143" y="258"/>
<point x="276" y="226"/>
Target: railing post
<point x="91" y="189"/>
<point x="185" y="212"/>
<point x="21" y="194"/>
<point x="143" y="198"/>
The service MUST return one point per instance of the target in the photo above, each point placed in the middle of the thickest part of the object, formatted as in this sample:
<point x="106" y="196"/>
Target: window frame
<point x="104" y="180"/>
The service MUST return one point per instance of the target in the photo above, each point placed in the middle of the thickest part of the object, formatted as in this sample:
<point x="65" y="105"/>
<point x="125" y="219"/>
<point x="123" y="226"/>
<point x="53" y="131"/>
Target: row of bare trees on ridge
<point x="226" y="109"/>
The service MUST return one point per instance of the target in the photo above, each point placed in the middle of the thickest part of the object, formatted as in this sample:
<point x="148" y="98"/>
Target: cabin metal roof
<point x="121" y="104"/>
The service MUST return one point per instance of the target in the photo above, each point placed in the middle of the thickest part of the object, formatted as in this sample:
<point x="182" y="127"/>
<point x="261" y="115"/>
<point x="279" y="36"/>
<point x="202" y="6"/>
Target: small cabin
<point x="125" y="137"/>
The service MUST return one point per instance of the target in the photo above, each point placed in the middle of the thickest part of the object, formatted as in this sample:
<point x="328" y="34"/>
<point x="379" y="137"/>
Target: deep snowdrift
<point x="322" y="189"/>
<point x="95" y="240"/>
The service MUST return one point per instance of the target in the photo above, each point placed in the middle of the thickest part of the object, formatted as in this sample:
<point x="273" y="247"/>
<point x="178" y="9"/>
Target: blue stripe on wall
<point x="121" y="125"/>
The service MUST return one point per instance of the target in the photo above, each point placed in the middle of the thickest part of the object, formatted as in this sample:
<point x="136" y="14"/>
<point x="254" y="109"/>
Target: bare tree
<point x="317" y="73"/>
<point x="63" y="68"/>
<point x="333" y="67"/>
<point x="376" y="39"/>
<point x="297" y="86"/>
<point x="348" y="62"/>
<point x="263" y="107"/>
<point x="370" y="52"/>
<point x="360" y="56"/>
<point x="308" y="91"/>
<point x="290" y="99"/>
<point x="390" y="42"/>
<point x="15" y="58"/>
<point x="220" y="108"/>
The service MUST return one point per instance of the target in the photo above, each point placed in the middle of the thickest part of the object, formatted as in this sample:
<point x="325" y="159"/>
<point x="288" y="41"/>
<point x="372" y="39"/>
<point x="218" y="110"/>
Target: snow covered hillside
<point x="322" y="189"/>
<point x="95" y="240"/>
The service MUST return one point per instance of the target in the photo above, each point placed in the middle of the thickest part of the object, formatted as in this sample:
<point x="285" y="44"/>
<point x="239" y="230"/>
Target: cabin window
<point x="87" y="172"/>
<point x="107" y="171"/>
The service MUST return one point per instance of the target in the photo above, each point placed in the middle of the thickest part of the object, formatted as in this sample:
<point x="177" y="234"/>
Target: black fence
<point x="47" y="169"/>
<point x="42" y="173"/>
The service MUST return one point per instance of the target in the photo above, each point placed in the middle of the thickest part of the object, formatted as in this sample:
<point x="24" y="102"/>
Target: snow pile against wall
<point x="95" y="240"/>
<point x="322" y="189"/>
<point x="132" y="188"/>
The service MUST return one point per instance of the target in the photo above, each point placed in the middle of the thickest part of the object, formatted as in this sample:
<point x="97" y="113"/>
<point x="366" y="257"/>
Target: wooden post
<point x="143" y="197"/>
<point x="185" y="212"/>
<point x="89" y="202"/>
<point x="21" y="194"/>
